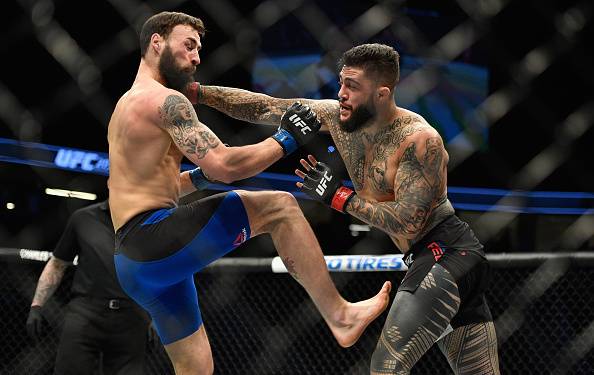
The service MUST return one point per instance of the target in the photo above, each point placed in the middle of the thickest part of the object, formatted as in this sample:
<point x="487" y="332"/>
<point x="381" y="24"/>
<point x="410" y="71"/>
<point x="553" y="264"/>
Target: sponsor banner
<point x="462" y="198"/>
<point x="40" y="255"/>
<point x="354" y="263"/>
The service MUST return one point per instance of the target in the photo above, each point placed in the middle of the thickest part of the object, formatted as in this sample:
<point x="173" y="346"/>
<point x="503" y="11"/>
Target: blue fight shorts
<point x="158" y="252"/>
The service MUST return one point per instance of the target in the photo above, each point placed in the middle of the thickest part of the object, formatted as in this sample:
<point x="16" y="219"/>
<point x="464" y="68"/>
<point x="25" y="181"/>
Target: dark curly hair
<point x="162" y="24"/>
<point x="379" y="61"/>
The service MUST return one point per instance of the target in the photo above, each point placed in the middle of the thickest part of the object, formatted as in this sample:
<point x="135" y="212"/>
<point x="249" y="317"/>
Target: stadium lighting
<point x="71" y="194"/>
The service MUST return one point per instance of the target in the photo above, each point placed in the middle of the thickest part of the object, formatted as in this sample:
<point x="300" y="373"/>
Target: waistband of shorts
<point x="123" y="231"/>
<point x="437" y="241"/>
<point x="430" y="236"/>
<point x="420" y="247"/>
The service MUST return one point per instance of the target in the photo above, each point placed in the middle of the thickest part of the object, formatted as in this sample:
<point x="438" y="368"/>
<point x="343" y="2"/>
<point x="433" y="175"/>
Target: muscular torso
<point x="405" y="151"/>
<point x="372" y="159"/>
<point x="144" y="162"/>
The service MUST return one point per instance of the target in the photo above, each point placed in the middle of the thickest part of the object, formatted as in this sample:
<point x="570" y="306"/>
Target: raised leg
<point x="278" y="214"/>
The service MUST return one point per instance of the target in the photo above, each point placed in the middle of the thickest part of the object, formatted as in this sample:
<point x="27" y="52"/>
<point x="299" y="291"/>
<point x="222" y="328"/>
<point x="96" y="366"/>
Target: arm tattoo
<point x="181" y="122"/>
<point x="260" y="108"/>
<point x="418" y="187"/>
<point x="245" y="105"/>
<point x="49" y="281"/>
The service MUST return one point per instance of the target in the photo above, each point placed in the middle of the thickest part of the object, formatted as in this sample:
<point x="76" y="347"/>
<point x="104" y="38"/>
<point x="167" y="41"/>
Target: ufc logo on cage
<point x="321" y="188"/>
<point x="296" y="120"/>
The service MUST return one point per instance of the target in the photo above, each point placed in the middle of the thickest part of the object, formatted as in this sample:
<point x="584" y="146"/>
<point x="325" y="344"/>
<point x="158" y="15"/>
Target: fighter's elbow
<point x="224" y="173"/>
<point x="229" y="177"/>
<point x="234" y="164"/>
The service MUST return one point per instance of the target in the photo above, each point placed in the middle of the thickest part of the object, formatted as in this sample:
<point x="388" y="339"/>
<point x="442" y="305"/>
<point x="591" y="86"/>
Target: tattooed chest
<point x="372" y="168"/>
<point x="371" y="158"/>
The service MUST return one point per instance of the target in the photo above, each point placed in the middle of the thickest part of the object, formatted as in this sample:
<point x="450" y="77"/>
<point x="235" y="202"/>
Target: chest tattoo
<point x="366" y="154"/>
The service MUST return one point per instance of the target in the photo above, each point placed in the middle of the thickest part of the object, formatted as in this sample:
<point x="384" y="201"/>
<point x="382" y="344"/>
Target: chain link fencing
<point x="264" y="323"/>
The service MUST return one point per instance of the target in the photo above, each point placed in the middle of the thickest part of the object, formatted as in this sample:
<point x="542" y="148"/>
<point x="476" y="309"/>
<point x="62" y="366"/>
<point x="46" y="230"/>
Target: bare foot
<point x="357" y="317"/>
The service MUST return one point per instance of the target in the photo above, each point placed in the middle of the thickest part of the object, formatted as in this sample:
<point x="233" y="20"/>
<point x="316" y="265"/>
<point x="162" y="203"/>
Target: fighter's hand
<point x="35" y="323"/>
<point x="193" y="92"/>
<point x="298" y="126"/>
<point x="320" y="183"/>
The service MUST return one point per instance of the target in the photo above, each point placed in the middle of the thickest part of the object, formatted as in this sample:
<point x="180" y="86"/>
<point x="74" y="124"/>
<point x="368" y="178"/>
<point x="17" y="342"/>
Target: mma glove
<point x="323" y="185"/>
<point x="199" y="178"/>
<point x="35" y="323"/>
<point x="298" y="126"/>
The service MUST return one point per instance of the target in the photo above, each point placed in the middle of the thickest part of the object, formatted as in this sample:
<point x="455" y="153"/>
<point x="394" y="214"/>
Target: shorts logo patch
<point x="241" y="237"/>
<point x="408" y="260"/>
<point x="436" y="250"/>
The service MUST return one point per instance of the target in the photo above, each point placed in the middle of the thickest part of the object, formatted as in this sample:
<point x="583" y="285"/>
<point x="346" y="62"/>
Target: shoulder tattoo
<point x="187" y="132"/>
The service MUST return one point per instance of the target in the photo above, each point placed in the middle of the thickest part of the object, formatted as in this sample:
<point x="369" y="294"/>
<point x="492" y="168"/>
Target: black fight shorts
<point x="454" y="246"/>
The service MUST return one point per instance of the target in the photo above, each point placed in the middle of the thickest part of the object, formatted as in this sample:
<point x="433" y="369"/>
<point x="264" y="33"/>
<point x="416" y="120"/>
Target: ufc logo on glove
<point x="321" y="188"/>
<point x="298" y="126"/>
<point x="296" y="120"/>
<point x="319" y="183"/>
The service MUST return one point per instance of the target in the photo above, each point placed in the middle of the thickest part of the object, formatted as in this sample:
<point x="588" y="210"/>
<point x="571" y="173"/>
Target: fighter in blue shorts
<point x="158" y="252"/>
<point x="161" y="244"/>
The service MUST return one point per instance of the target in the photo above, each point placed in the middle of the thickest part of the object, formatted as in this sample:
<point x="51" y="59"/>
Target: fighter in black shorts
<point x="397" y="163"/>
<point x="442" y="294"/>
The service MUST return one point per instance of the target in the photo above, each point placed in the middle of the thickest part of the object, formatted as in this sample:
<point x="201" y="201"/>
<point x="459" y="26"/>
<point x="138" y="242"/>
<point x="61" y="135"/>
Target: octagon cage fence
<point x="260" y="321"/>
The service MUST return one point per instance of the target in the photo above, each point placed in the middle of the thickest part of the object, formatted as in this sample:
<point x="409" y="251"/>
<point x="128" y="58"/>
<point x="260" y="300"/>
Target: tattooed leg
<point x="415" y="321"/>
<point x="472" y="349"/>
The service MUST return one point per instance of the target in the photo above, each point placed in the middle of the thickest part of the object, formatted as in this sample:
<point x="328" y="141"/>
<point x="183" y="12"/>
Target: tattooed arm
<point x="260" y="108"/>
<point x="50" y="279"/>
<point x="419" y="185"/>
<point x="203" y="148"/>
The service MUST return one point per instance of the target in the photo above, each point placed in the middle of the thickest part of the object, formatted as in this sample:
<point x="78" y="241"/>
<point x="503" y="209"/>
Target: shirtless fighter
<point x="160" y="244"/>
<point x="398" y="165"/>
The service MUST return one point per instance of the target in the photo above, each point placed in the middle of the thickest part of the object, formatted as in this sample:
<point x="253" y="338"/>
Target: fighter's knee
<point x="267" y="199"/>
<point x="283" y="207"/>
<point x="284" y="201"/>
<point x="275" y="205"/>
<point x="269" y="209"/>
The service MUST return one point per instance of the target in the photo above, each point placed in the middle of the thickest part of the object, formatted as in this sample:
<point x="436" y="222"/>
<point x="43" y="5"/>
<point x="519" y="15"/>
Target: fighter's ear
<point x="384" y="92"/>
<point x="156" y="41"/>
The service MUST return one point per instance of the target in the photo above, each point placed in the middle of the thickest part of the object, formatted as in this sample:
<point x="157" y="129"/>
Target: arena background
<point x="507" y="83"/>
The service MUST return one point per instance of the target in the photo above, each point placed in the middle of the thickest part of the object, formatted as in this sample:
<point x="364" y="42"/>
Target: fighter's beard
<point x="175" y="77"/>
<point x="359" y="118"/>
